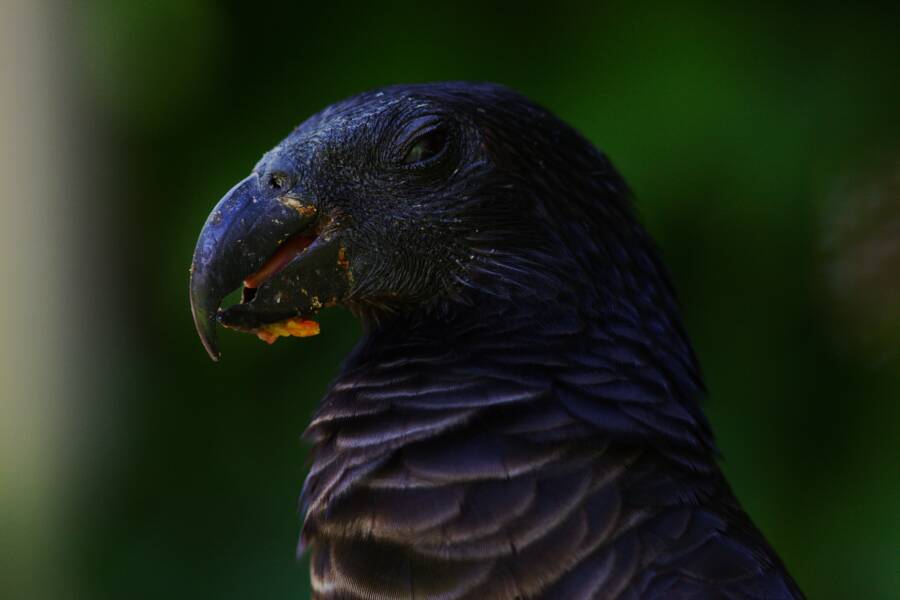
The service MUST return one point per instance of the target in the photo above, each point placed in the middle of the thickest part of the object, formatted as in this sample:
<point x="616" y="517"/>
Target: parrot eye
<point x="278" y="181"/>
<point x="426" y="147"/>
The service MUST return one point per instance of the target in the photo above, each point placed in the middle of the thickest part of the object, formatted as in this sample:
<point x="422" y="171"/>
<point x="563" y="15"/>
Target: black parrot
<point x="521" y="416"/>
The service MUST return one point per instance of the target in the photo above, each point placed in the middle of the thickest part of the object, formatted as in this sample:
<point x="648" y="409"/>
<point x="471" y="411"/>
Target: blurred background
<point x="764" y="148"/>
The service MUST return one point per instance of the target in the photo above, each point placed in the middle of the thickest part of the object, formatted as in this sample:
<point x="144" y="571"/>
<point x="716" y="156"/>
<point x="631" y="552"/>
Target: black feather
<point x="521" y="418"/>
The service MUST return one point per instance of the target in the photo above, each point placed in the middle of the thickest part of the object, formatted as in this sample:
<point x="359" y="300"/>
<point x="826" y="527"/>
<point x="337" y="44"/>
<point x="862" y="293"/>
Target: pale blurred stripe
<point x="35" y="302"/>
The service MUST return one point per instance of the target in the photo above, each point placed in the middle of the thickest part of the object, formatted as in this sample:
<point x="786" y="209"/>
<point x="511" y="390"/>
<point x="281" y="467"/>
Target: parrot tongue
<point x="287" y="252"/>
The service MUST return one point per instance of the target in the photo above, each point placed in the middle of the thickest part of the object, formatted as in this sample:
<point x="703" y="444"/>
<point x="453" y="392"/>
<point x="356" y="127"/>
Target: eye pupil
<point x="427" y="146"/>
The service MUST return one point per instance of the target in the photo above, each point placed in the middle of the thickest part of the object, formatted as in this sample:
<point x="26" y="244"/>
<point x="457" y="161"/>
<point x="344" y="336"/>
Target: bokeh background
<point x="764" y="147"/>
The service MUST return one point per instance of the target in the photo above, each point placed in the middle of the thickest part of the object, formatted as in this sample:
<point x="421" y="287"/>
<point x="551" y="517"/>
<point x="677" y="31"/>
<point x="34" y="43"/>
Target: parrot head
<point x="398" y="198"/>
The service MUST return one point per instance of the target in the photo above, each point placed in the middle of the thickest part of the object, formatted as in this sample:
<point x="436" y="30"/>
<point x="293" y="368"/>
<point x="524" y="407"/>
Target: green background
<point x="763" y="145"/>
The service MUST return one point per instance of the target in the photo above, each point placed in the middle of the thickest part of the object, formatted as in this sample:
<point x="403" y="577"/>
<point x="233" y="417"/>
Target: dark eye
<point x="278" y="181"/>
<point x="426" y="147"/>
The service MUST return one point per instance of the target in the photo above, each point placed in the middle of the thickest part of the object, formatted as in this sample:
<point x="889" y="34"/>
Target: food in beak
<point x="296" y="327"/>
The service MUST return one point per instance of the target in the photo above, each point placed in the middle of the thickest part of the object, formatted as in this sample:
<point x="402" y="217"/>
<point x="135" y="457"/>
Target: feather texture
<point x="533" y="430"/>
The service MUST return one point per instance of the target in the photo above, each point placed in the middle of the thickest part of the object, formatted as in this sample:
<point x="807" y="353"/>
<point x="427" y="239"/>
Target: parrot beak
<point x="271" y="244"/>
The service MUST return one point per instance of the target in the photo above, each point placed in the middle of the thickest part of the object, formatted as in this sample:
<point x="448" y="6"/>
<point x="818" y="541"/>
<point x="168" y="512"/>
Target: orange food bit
<point x="292" y="327"/>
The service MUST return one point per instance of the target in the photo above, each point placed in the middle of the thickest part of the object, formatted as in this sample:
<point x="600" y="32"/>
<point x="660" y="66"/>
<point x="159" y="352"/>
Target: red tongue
<point x="285" y="254"/>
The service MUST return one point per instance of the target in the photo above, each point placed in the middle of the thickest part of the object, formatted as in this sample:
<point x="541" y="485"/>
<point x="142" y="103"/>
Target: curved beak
<point x="263" y="241"/>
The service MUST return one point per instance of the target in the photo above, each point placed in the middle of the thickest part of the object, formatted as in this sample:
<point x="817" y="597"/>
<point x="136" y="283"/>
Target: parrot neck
<point x="537" y="370"/>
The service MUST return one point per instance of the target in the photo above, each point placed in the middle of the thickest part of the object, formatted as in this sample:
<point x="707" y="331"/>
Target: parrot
<point x="521" y="417"/>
